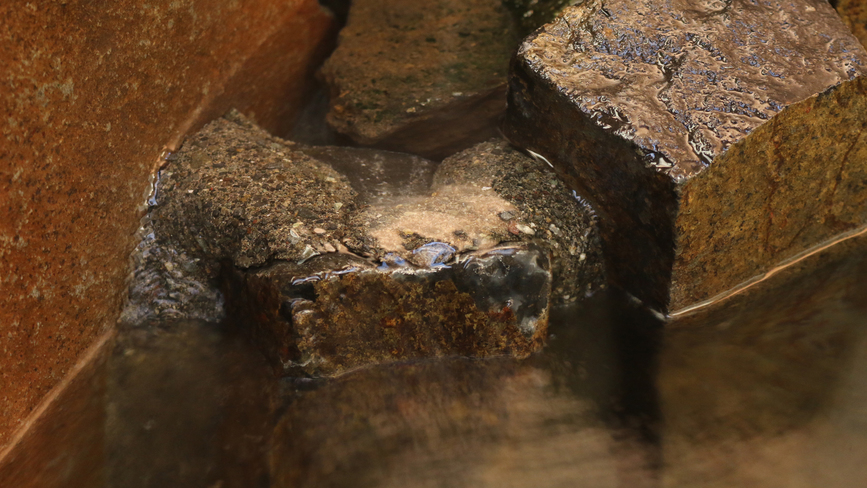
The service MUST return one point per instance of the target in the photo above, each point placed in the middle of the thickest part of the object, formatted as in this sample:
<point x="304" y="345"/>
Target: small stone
<point x="525" y="229"/>
<point x="506" y="216"/>
<point x="419" y="276"/>
<point x="715" y="142"/>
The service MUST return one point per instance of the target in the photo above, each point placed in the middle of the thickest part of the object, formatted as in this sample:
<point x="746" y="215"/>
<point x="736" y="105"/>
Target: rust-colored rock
<point x="421" y="77"/>
<point x="90" y="93"/>
<point x="716" y="140"/>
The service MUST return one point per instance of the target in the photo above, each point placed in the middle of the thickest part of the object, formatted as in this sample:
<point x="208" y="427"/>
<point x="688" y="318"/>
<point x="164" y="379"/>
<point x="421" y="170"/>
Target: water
<point x="767" y="389"/>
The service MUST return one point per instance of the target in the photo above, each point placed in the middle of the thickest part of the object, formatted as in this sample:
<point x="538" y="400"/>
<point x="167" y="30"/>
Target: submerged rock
<point x="328" y="272"/>
<point x="421" y="77"/>
<point x="716" y="140"/>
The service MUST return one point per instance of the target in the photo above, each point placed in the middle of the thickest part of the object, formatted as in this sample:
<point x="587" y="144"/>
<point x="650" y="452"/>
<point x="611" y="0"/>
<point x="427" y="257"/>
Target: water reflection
<point x="767" y="389"/>
<point x="770" y="388"/>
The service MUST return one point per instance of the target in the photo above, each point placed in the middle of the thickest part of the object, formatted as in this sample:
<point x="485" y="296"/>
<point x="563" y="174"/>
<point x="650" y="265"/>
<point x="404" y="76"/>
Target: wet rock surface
<point x="854" y="15"/>
<point x="328" y="272"/>
<point x="697" y="132"/>
<point x="421" y="77"/>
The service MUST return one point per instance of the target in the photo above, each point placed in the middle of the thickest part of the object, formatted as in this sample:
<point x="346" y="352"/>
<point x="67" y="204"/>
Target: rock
<point x="530" y="14"/>
<point x="544" y="210"/>
<point x="327" y="272"/>
<point x="335" y="312"/>
<point x="237" y="193"/>
<point x="854" y="15"/>
<point x="716" y="141"/>
<point x="421" y="77"/>
<point x="90" y="96"/>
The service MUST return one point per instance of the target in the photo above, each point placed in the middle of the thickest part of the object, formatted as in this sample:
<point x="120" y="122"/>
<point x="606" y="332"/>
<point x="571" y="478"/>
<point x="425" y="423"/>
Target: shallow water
<point x="766" y="389"/>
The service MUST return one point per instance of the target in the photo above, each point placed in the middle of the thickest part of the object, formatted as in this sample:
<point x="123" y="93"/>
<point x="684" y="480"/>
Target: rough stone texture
<point x="65" y="443"/>
<point x="235" y="192"/>
<point x="328" y="272"/>
<point x="546" y="211"/>
<point x="421" y="77"/>
<point x="854" y="15"/>
<point x="697" y="133"/>
<point x="336" y="313"/>
<point x="530" y="14"/>
<point x="90" y="93"/>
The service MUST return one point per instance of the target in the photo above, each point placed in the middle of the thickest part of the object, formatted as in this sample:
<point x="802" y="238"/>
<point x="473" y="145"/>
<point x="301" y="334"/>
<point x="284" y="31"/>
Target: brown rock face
<point x="90" y="93"/>
<point x="715" y="139"/>
<point x="421" y="77"/>
<point x="328" y="272"/>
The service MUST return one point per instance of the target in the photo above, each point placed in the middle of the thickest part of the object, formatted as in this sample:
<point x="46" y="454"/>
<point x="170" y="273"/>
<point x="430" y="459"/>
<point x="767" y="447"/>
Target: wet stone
<point x="715" y="139"/>
<point x="327" y="273"/>
<point x="437" y="273"/>
<point x="421" y="77"/>
<point x="854" y="15"/>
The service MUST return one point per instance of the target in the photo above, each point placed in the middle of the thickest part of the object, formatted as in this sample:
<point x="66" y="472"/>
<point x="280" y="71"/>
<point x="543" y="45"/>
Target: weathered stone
<point x="235" y="192"/>
<point x="328" y="272"/>
<point x="338" y="312"/>
<point x="90" y="94"/>
<point x="421" y="77"/>
<point x="854" y="15"/>
<point x="545" y="211"/>
<point x="530" y="14"/>
<point x="715" y="140"/>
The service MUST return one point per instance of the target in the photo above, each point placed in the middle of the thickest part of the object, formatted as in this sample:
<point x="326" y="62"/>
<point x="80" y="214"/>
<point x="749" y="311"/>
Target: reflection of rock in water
<point x="450" y="423"/>
<point x="761" y="391"/>
<point x="187" y="407"/>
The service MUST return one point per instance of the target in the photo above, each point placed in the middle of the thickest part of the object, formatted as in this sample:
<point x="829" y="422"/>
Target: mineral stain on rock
<point x="715" y="139"/>
<point x="398" y="260"/>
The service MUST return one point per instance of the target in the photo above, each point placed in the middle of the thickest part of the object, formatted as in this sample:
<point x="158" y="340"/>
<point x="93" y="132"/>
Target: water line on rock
<point x="746" y="285"/>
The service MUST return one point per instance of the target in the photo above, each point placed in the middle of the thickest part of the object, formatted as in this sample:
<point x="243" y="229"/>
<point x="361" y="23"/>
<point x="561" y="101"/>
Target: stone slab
<point x="716" y="140"/>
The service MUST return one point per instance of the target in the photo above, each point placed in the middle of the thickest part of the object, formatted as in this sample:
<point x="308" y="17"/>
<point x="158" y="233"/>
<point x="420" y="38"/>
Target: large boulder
<point x="328" y="271"/>
<point x="716" y="140"/>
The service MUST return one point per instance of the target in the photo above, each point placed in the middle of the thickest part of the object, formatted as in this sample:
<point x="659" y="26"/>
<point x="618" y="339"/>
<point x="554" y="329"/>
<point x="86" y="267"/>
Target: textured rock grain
<point x="715" y="139"/>
<point x="421" y="77"/>
<point x="90" y="94"/>
<point x="328" y="272"/>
